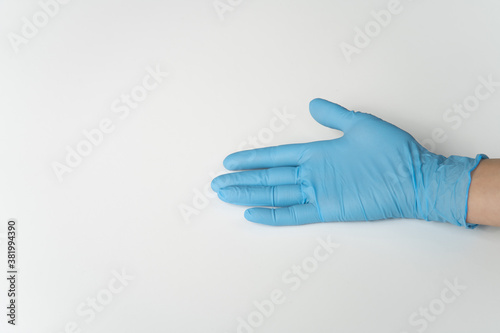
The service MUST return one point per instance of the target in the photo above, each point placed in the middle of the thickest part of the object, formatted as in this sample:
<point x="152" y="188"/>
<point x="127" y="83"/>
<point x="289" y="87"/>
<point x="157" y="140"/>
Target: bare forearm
<point x="484" y="194"/>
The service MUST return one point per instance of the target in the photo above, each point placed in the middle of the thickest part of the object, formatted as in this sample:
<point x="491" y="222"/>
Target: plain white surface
<point x="119" y="209"/>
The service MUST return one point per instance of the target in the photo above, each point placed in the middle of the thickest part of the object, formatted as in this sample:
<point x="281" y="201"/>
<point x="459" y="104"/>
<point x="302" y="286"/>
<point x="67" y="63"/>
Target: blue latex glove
<point x="375" y="171"/>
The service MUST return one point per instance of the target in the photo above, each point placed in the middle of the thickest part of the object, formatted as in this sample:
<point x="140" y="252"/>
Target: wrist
<point x="484" y="194"/>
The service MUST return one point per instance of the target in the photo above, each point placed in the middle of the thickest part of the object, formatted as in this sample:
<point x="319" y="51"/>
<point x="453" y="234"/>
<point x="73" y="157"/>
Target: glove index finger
<point x="263" y="158"/>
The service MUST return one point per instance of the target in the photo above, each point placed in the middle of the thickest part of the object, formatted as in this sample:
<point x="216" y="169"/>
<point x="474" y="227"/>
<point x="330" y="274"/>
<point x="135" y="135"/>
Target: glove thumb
<point x="331" y="115"/>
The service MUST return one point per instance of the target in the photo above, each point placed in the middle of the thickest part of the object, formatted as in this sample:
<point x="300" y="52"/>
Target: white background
<point x="120" y="208"/>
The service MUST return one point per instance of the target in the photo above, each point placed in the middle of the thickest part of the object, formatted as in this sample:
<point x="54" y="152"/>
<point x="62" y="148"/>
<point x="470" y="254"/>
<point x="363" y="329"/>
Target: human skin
<point x="484" y="194"/>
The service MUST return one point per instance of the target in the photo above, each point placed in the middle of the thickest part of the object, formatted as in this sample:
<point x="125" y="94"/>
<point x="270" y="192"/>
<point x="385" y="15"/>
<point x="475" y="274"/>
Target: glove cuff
<point x="449" y="189"/>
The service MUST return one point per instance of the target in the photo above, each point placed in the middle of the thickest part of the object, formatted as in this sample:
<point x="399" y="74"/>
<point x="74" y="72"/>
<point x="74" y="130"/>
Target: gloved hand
<point x="374" y="171"/>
